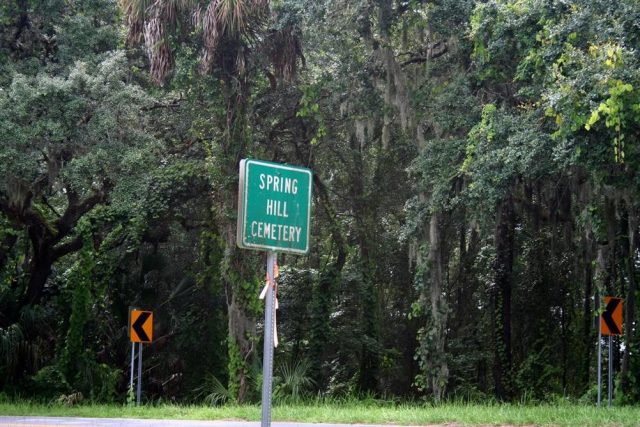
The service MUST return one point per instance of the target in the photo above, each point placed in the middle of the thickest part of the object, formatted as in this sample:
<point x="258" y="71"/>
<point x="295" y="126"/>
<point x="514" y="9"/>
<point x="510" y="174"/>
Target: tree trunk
<point x="364" y="213"/>
<point x="39" y="271"/>
<point x="237" y="273"/>
<point x="440" y="376"/>
<point x="320" y="332"/>
<point x="587" y="319"/>
<point x="45" y="254"/>
<point x="369" y="357"/>
<point x="49" y="240"/>
<point x="503" y="269"/>
<point x="242" y="330"/>
<point x="322" y="299"/>
<point x="630" y="308"/>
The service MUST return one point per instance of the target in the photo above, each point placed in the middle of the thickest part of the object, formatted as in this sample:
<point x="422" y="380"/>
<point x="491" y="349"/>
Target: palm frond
<point x="239" y="23"/>
<point x="10" y="341"/>
<point x="213" y="392"/>
<point x="21" y="347"/>
<point x="283" y="49"/>
<point x="158" y="50"/>
<point x="134" y="11"/>
<point x="292" y="380"/>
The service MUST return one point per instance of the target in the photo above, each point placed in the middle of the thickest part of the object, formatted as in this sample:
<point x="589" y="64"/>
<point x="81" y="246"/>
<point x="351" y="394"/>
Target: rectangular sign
<point x="141" y="326"/>
<point x="611" y="318"/>
<point x="274" y="207"/>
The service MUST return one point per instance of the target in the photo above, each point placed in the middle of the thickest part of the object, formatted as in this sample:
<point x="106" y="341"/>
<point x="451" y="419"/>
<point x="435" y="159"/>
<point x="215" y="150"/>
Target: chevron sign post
<point x="140" y="331"/>
<point x="610" y="325"/>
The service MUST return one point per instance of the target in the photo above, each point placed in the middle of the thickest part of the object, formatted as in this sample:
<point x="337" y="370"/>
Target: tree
<point x="234" y="43"/>
<point x="67" y="146"/>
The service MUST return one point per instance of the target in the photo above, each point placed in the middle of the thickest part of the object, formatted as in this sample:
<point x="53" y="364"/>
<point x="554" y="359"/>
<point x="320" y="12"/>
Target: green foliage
<point x="236" y="367"/>
<point x="23" y="346"/>
<point x="77" y="363"/>
<point x="88" y="33"/>
<point x="622" y="97"/>
<point x="592" y="76"/>
<point x="431" y="359"/>
<point x="79" y="277"/>
<point x="213" y="392"/>
<point x="49" y="383"/>
<point x="537" y="377"/>
<point x="88" y="144"/>
<point x="405" y="111"/>
<point x="102" y="381"/>
<point x="291" y="381"/>
<point x="503" y="34"/>
<point x="310" y="109"/>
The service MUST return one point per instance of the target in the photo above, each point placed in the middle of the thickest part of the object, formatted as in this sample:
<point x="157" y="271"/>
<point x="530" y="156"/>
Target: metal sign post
<point x="133" y="352"/>
<point x="610" y="385"/>
<point x="274" y="206"/>
<point x="599" y="366"/>
<point x="140" y="331"/>
<point x="139" y="388"/>
<point x="267" y="357"/>
<point x="133" y="356"/>
<point x="599" y="355"/>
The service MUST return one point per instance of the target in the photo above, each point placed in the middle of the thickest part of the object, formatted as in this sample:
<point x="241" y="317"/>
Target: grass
<point x="353" y="412"/>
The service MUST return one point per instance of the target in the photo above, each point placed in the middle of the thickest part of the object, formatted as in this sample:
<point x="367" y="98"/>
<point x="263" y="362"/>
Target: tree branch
<point x="174" y="103"/>
<point x="434" y="50"/>
<point x="71" y="246"/>
<point x="46" y="202"/>
<point x="76" y="210"/>
<point x="22" y="215"/>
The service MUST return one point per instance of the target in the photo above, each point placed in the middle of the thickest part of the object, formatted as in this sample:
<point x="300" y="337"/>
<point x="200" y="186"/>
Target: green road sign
<point x="274" y="206"/>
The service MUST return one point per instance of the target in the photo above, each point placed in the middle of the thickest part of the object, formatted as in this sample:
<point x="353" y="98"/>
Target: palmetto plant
<point x="213" y="392"/>
<point x="292" y="380"/>
<point x="21" y="348"/>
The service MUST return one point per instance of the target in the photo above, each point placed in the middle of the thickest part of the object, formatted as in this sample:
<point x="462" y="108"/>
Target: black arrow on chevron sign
<point x="137" y="326"/>
<point x="607" y="316"/>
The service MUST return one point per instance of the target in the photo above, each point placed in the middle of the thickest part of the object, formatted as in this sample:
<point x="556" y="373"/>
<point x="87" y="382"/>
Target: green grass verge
<point x="369" y="413"/>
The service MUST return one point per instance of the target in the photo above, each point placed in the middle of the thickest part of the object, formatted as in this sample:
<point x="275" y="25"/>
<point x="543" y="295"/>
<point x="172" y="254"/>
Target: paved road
<point x="122" y="422"/>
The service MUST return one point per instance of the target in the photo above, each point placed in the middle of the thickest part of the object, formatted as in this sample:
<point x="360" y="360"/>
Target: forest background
<point x="475" y="195"/>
